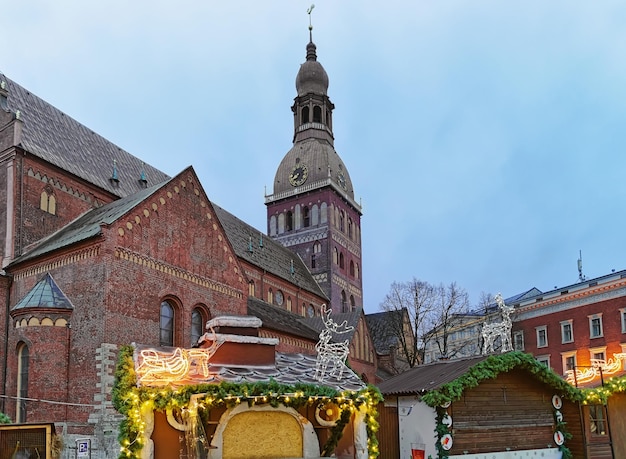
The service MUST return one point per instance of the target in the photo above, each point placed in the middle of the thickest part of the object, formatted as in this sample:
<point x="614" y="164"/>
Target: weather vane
<point x="309" y="11"/>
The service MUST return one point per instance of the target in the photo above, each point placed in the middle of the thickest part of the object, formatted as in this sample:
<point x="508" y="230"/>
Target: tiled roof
<point x="87" y="225"/>
<point x="257" y="249"/>
<point x="382" y="327"/>
<point x="45" y="294"/>
<point x="288" y="369"/>
<point x="58" y="139"/>
<point x="424" y="378"/>
<point x="280" y="319"/>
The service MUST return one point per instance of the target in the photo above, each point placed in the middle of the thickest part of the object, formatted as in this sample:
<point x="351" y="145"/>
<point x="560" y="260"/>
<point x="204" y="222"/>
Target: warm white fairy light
<point x="331" y="354"/>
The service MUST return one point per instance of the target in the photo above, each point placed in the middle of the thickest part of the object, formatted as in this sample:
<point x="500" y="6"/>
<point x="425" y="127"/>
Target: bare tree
<point x="451" y="309"/>
<point x="412" y="304"/>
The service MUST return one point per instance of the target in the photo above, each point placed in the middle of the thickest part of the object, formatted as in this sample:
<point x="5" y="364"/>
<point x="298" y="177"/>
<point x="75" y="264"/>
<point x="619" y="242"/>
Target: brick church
<point x="99" y="250"/>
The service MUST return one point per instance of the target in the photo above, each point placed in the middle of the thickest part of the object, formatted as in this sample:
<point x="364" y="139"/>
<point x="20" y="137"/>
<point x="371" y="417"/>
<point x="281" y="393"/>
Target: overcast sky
<point x="485" y="139"/>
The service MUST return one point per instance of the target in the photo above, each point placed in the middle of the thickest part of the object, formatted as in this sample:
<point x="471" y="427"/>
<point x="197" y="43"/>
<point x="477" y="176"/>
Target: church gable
<point x="177" y="229"/>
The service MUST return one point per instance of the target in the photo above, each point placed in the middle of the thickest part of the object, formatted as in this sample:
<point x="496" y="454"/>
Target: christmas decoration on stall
<point x="331" y="356"/>
<point x="492" y="331"/>
<point x="130" y="400"/>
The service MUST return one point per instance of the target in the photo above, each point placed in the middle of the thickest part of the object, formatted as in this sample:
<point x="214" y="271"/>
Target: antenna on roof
<point x="309" y="11"/>
<point x="581" y="276"/>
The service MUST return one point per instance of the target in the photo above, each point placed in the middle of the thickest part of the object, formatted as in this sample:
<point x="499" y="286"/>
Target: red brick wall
<point x="611" y="322"/>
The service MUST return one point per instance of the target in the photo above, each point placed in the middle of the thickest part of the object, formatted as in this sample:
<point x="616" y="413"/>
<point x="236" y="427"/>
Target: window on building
<point x="595" y="326"/>
<point x="598" y="355"/>
<point x="341" y="260"/>
<point x="335" y="255"/>
<point x="542" y="336"/>
<point x="350" y="228"/>
<point x="289" y="303"/>
<point x="289" y="221"/>
<point x="622" y="314"/>
<point x="569" y="362"/>
<point x="306" y="217"/>
<point x="48" y="201"/>
<point x="167" y="324"/>
<point x="352" y="268"/>
<point x="317" y="114"/>
<point x="344" y="302"/>
<point x="198" y="320"/>
<point x="597" y="420"/>
<point x="23" y="363"/>
<point x="279" y="298"/>
<point x="544" y="360"/>
<point x="567" y="332"/>
<point x="270" y="296"/>
<point x="251" y="288"/>
<point x="305" y="114"/>
<point x="356" y="271"/>
<point x="313" y="261"/>
<point x="518" y="340"/>
<point x="352" y="303"/>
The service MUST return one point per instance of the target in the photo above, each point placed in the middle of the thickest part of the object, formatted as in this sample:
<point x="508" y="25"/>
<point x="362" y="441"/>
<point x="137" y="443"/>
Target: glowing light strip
<point x="158" y="368"/>
<point x="612" y="366"/>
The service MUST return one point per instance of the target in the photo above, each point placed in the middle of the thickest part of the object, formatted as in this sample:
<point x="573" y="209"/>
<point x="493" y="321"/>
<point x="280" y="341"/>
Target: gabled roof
<point x="280" y="319"/>
<point x="87" y="225"/>
<point x="59" y="139"/>
<point x="45" y="294"/>
<point x="447" y="379"/>
<point x="351" y="318"/>
<point x="257" y="249"/>
<point x="383" y="328"/>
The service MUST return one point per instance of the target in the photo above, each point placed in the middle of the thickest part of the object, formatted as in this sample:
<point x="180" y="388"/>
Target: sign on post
<point x="83" y="449"/>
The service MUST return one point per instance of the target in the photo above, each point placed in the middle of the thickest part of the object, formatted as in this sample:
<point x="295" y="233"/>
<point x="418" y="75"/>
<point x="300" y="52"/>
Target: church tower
<point x="312" y="210"/>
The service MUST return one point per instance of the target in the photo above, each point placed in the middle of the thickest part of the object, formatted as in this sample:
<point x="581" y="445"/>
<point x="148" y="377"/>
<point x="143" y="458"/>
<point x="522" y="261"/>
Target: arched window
<point x="317" y="247"/>
<point x="315" y="215"/>
<point x="47" y="201"/>
<point x="289" y="303"/>
<point x="352" y="268"/>
<point x="281" y="223"/>
<point x="305" y="115"/>
<point x="352" y="303"/>
<point x="198" y="320"/>
<point x="356" y="271"/>
<point x="342" y="217"/>
<point x="270" y="296"/>
<point x="313" y="261"/>
<point x="329" y="122"/>
<point x="251" y="288"/>
<point x="344" y="303"/>
<point x="341" y="262"/>
<point x="273" y="228"/>
<point x="23" y="362"/>
<point x="350" y="228"/>
<point x="335" y="255"/>
<point x="317" y="114"/>
<point x="306" y="218"/>
<point x="167" y="324"/>
<point x="288" y="221"/>
<point x="323" y="213"/>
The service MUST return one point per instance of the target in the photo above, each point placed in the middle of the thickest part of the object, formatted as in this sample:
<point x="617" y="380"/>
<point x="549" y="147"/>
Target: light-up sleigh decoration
<point x="331" y="356"/>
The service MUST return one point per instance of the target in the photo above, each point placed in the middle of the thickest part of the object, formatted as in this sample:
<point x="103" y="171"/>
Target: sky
<point x="485" y="139"/>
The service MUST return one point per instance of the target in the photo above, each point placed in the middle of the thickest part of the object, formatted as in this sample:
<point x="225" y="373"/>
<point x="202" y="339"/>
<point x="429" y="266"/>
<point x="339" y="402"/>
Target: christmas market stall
<point x="490" y="406"/>
<point x="234" y="396"/>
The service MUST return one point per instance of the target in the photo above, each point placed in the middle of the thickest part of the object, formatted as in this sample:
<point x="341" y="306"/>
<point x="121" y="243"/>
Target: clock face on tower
<point x="298" y="175"/>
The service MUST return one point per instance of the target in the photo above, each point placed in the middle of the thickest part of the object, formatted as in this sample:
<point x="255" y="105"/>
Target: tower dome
<point x="311" y="78"/>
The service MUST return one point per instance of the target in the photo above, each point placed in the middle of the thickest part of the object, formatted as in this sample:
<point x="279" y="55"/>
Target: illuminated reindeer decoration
<point x="492" y="331"/>
<point x="329" y="353"/>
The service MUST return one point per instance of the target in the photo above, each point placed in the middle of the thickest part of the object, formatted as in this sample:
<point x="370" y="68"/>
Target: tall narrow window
<point x="341" y="260"/>
<point x="352" y="268"/>
<point x="542" y="336"/>
<point x="288" y="221"/>
<point x="306" y="219"/>
<point x="167" y="324"/>
<point x="317" y="114"/>
<point x="342" y="217"/>
<point x="597" y="423"/>
<point x="352" y="303"/>
<point x="305" y="115"/>
<point x="350" y="228"/>
<point x="251" y="288"/>
<point x="518" y="340"/>
<point x="47" y="201"/>
<point x="595" y="326"/>
<point x="344" y="302"/>
<point x="198" y="320"/>
<point x="23" y="361"/>
<point x="567" y="333"/>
